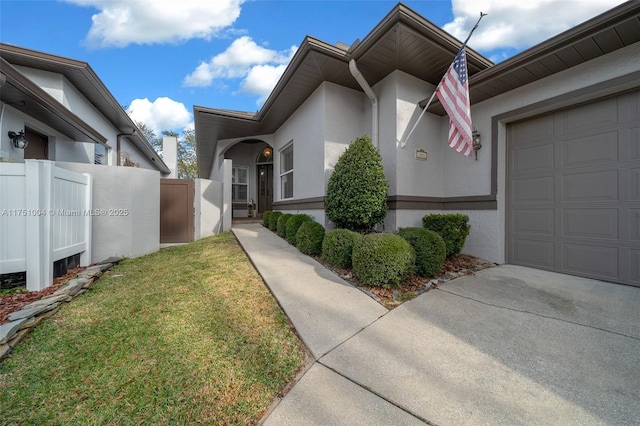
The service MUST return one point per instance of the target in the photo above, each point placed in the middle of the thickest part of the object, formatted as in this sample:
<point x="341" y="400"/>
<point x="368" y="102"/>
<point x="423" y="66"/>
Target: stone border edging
<point x="23" y="321"/>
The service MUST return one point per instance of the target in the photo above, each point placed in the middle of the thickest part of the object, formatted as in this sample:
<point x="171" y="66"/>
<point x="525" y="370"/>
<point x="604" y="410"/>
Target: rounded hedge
<point x="382" y="259"/>
<point x="273" y="220"/>
<point x="293" y="224"/>
<point x="452" y="227"/>
<point x="282" y="224"/>
<point x="309" y="238"/>
<point x="265" y="218"/>
<point x="430" y="250"/>
<point x="337" y="247"/>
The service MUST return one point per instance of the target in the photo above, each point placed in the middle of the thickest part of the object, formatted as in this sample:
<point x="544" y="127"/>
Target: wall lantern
<point x="19" y="139"/>
<point x="475" y="139"/>
<point x="267" y="152"/>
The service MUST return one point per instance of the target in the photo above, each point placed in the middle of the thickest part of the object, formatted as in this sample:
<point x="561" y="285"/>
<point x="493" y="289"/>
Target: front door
<point x="37" y="147"/>
<point x="265" y="187"/>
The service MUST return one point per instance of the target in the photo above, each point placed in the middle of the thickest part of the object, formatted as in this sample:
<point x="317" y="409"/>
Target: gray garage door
<point x="573" y="190"/>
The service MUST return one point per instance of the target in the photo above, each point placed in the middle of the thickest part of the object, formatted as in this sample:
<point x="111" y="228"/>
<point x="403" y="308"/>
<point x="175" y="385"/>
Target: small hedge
<point x="293" y="224"/>
<point x="382" y="259"/>
<point x="430" y="250"/>
<point x="282" y="224"/>
<point x="273" y="220"/>
<point x="452" y="227"/>
<point x="309" y="238"/>
<point x="337" y="247"/>
<point x="265" y="218"/>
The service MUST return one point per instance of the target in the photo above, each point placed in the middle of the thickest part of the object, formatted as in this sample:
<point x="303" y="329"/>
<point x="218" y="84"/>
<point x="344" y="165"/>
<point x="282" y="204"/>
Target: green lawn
<point x="188" y="335"/>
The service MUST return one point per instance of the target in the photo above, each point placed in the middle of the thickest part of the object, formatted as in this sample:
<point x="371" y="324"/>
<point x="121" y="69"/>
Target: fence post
<point x="39" y="183"/>
<point x="227" y="178"/>
<point x="85" y="256"/>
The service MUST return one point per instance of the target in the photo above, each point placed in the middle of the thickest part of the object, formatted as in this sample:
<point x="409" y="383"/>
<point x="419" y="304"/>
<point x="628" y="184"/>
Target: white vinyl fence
<point x="45" y="216"/>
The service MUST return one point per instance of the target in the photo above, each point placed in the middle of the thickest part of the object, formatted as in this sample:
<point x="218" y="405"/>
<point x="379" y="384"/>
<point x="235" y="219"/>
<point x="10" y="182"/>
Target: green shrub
<point x="382" y="259"/>
<point x="430" y="250"/>
<point x="265" y="218"/>
<point x="357" y="190"/>
<point x="452" y="227"/>
<point x="293" y="224"/>
<point x="309" y="238"/>
<point x="337" y="247"/>
<point x="282" y="224"/>
<point x="273" y="220"/>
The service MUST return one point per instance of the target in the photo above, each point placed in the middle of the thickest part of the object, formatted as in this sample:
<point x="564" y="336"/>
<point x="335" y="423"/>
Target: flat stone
<point x="4" y="350"/>
<point x="105" y="266"/>
<point x="50" y="300"/>
<point x="28" y="313"/>
<point x="18" y="337"/>
<point x="9" y="329"/>
<point x="113" y="259"/>
<point x="72" y="287"/>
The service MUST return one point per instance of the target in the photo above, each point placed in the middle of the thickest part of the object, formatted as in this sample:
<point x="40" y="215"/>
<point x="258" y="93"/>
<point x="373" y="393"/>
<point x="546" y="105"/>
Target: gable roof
<point x="24" y="95"/>
<point x="406" y="41"/>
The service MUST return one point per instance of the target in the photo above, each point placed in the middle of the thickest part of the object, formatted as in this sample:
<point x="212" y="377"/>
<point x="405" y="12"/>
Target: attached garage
<point x="573" y="190"/>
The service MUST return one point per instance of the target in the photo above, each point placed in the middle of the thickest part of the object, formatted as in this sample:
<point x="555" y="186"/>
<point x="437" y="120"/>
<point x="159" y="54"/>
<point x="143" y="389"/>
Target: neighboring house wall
<point x="128" y="200"/>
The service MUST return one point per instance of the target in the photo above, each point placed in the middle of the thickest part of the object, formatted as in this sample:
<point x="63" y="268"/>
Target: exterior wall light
<point x="475" y="139"/>
<point x="267" y="152"/>
<point x="19" y="140"/>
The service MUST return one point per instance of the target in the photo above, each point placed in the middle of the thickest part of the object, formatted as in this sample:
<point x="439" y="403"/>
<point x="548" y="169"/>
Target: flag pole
<point x="433" y="95"/>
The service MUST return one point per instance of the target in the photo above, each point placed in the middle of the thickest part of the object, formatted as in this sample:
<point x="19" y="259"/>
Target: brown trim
<point x="472" y="202"/>
<point x="406" y="202"/>
<point x="314" y="203"/>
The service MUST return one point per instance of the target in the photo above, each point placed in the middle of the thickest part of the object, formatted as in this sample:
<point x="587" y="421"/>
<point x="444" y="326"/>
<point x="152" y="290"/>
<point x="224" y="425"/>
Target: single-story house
<point x="63" y="198"/>
<point x="555" y="185"/>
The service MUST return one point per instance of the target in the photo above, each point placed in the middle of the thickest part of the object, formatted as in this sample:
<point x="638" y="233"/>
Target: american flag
<point x="453" y="92"/>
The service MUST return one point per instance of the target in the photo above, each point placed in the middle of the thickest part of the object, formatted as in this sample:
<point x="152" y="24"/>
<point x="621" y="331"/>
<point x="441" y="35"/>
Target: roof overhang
<point x="82" y="76"/>
<point x="22" y="94"/>
<point x="403" y="40"/>
<point x="610" y="31"/>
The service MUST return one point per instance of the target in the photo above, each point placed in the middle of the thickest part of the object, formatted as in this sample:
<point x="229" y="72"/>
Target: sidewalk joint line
<point x="368" y="389"/>
<point x="538" y="315"/>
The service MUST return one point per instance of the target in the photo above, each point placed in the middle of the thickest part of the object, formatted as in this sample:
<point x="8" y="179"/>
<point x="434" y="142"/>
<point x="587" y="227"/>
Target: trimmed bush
<point x="337" y="247"/>
<point x="452" y="227"/>
<point x="430" y="250"/>
<point x="309" y="238"/>
<point x="357" y="190"/>
<point x="293" y="224"/>
<point x="382" y="259"/>
<point x="265" y="218"/>
<point x="282" y="224"/>
<point x="273" y="220"/>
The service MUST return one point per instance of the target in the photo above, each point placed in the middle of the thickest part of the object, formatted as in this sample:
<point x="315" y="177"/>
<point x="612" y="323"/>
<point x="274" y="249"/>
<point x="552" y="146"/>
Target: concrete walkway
<point x="510" y="345"/>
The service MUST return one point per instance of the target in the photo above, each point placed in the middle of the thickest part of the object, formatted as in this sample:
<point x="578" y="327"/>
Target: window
<point x="286" y="172"/>
<point x="100" y="154"/>
<point x="239" y="186"/>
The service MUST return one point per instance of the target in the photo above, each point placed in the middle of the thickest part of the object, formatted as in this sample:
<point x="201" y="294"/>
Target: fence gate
<point x="176" y="210"/>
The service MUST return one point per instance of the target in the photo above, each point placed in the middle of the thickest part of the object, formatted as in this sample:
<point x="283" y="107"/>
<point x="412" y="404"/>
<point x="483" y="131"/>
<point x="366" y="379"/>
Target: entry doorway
<point x="265" y="187"/>
<point x="37" y="146"/>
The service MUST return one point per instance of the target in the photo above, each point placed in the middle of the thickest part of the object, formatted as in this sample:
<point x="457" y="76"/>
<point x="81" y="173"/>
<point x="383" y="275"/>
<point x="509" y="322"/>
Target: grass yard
<point x="188" y="335"/>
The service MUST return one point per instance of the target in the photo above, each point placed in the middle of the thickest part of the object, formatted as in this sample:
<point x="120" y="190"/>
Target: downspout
<point x="135" y="132"/>
<point x="372" y="97"/>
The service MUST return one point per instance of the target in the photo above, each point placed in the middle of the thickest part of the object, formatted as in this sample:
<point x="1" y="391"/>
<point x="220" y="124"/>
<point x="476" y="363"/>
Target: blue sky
<point x="161" y="57"/>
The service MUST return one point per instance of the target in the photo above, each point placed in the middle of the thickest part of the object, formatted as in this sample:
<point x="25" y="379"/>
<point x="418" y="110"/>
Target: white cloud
<point x="520" y="24"/>
<point x="162" y="114"/>
<point x="258" y="67"/>
<point x="120" y="23"/>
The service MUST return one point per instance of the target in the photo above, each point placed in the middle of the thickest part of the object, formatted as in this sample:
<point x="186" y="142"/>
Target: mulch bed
<point x="15" y="301"/>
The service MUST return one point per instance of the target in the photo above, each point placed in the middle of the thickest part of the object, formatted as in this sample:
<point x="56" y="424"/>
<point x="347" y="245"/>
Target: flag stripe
<point x="453" y="92"/>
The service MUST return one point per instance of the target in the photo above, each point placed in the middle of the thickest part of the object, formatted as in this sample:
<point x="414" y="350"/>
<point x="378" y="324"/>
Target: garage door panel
<point x="590" y="223"/>
<point x="534" y="159"/>
<point x="538" y="221"/>
<point x="582" y="215"/>
<point x="591" y="116"/>
<point x="534" y="190"/>
<point x="591" y="150"/>
<point x="589" y="260"/>
<point x="592" y="186"/>
<point x="534" y="253"/>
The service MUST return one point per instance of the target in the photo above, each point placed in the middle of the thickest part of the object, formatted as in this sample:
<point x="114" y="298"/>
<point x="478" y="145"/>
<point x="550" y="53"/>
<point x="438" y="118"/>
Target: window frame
<point x="234" y="183"/>
<point x="286" y="173"/>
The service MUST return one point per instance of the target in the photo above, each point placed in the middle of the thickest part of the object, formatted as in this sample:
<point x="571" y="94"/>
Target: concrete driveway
<point x="510" y="345"/>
